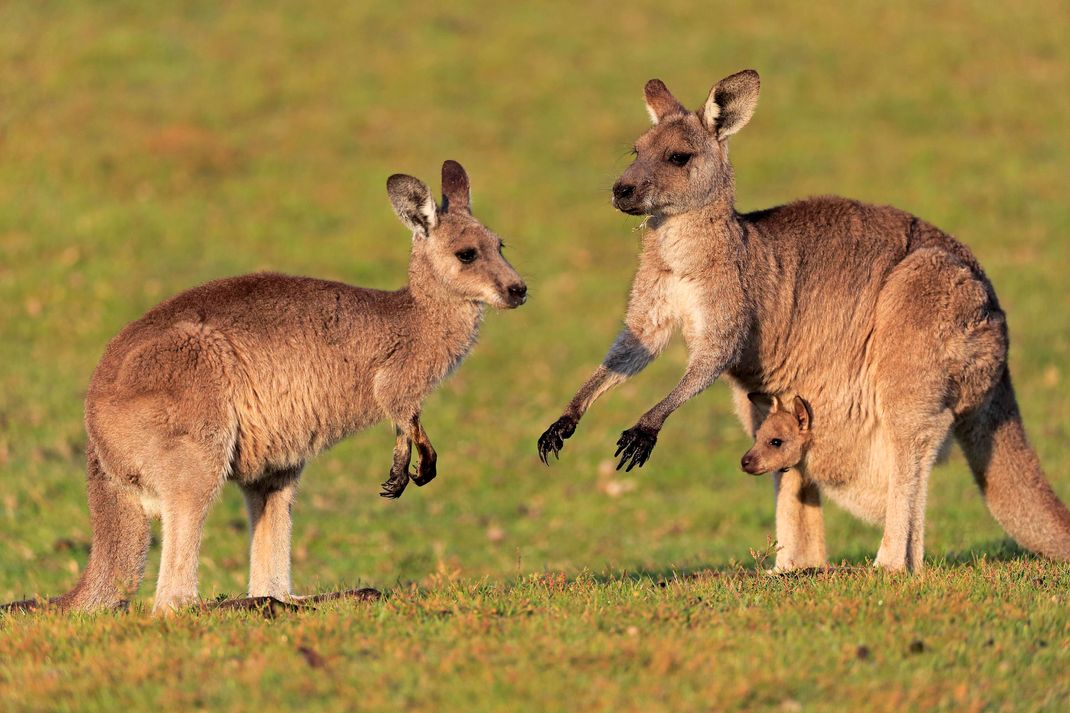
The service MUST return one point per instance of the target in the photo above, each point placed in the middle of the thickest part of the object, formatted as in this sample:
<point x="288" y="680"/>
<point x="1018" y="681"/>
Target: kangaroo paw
<point x="553" y="440"/>
<point x="634" y="447"/>
<point x="395" y="485"/>
<point x="426" y="470"/>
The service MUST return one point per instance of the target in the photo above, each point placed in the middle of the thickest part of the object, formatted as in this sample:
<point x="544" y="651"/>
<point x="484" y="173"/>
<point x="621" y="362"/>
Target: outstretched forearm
<point x="702" y="370"/>
<point x="635" y="445"/>
<point x="714" y="339"/>
<point x="648" y="326"/>
<point x="628" y="356"/>
<point x="632" y="350"/>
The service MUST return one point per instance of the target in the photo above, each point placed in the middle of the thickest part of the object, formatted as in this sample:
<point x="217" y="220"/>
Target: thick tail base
<point x="1010" y="477"/>
<point x="121" y="536"/>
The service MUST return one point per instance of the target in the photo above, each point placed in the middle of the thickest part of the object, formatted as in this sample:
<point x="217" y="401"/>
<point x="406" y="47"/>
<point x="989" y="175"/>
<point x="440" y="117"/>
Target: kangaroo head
<point x="452" y="252"/>
<point x="681" y="163"/>
<point x="783" y="438"/>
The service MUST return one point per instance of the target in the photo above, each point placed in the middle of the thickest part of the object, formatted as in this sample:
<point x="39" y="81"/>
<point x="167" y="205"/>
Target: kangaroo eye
<point x="679" y="159"/>
<point x="467" y="255"/>
<point x="776" y="442"/>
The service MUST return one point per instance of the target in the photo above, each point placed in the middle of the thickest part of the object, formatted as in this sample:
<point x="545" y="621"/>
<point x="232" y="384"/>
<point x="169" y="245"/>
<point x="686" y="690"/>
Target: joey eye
<point x="679" y="159"/>
<point x="467" y="255"/>
<point x="776" y="442"/>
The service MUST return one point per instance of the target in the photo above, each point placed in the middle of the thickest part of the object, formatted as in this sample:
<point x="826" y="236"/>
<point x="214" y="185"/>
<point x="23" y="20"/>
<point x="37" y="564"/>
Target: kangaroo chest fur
<point x="684" y="267"/>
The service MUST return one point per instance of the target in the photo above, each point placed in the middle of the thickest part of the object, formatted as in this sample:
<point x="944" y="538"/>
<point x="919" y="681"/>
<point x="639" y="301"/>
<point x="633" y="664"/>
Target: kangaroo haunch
<point x="886" y="323"/>
<point x="245" y="379"/>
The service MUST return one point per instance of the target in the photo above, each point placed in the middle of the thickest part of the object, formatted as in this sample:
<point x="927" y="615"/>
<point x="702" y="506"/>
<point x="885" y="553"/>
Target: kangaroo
<point x="247" y="378"/>
<point x="887" y="323"/>
<point x="781" y="441"/>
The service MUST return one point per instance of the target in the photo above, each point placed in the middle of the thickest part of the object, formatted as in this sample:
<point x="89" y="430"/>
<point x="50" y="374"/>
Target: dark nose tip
<point x="745" y="463"/>
<point x="519" y="290"/>
<point x="622" y="191"/>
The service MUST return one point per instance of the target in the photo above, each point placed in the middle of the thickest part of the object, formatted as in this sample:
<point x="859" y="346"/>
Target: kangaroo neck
<point x="446" y="319"/>
<point x="690" y="241"/>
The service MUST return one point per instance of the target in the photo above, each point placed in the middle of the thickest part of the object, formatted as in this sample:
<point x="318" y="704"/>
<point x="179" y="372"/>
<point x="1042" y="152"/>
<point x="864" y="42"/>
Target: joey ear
<point x="802" y="413"/>
<point x="456" y="190"/>
<point x="775" y="404"/>
<point x="660" y="102"/>
<point x="413" y="203"/>
<point x="731" y="104"/>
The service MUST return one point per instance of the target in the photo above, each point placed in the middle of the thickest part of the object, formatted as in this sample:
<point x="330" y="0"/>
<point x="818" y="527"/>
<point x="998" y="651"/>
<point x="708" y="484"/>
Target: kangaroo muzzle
<point x="517" y="295"/>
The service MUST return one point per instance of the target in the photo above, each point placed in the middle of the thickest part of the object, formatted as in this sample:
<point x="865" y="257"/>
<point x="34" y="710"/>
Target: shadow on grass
<point x="853" y="564"/>
<point x="1001" y="550"/>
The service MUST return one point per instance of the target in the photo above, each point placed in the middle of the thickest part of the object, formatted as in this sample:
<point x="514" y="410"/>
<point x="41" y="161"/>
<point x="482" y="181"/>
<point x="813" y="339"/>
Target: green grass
<point x="145" y="149"/>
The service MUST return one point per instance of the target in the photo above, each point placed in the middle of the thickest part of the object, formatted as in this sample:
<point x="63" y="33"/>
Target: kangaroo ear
<point x="413" y="203"/>
<point x="731" y="104"/>
<point x="660" y="102"/>
<point x="774" y="404"/>
<point x="456" y="190"/>
<point x="801" y="410"/>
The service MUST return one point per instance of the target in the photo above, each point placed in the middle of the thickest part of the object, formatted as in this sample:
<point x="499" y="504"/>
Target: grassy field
<point x="144" y="150"/>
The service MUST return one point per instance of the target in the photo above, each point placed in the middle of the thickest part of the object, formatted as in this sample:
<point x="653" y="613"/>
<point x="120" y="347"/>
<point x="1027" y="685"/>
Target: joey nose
<point x="746" y="462"/>
<point x="518" y="294"/>
<point x="623" y="191"/>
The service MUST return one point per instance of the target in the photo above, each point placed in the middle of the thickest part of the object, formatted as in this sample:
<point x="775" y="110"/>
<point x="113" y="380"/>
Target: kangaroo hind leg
<point x="920" y="338"/>
<point x="188" y="480"/>
<point x="269" y="502"/>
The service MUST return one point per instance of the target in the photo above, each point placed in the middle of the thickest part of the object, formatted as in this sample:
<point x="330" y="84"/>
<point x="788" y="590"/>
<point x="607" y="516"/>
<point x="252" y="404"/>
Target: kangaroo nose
<point x="745" y="463"/>
<point x="622" y="191"/>
<point x="518" y="293"/>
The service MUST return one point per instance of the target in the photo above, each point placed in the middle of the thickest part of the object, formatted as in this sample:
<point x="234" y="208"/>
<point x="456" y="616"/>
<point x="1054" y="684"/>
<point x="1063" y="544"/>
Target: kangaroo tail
<point x="121" y="538"/>
<point x="1010" y="477"/>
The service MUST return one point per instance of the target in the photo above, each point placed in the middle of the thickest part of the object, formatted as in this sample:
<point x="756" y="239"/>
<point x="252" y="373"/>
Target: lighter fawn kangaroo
<point x="888" y="324"/>
<point x="245" y="379"/>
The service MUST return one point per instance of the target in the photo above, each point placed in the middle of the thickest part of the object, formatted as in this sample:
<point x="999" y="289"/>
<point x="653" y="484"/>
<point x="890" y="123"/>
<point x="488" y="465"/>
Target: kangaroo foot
<point x="634" y="447"/>
<point x="364" y="594"/>
<point x="21" y="606"/>
<point x="269" y="607"/>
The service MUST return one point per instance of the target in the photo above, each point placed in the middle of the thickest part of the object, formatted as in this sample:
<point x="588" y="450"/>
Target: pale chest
<point x="683" y="283"/>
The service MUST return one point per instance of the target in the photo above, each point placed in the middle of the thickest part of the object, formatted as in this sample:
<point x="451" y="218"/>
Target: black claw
<point x="553" y="440"/>
<point x="634" y="447"/>
<point x="395" y="486"/>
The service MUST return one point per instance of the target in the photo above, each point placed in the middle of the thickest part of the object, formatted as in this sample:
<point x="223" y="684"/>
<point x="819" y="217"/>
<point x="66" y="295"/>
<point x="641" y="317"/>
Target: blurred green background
<point x="145" y="148"/>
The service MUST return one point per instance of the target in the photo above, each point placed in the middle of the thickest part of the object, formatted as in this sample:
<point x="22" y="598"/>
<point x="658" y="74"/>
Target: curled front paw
<point x="553" y="440"/>
<point x="426" y="469"/>
<point x="634" y="447"/>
